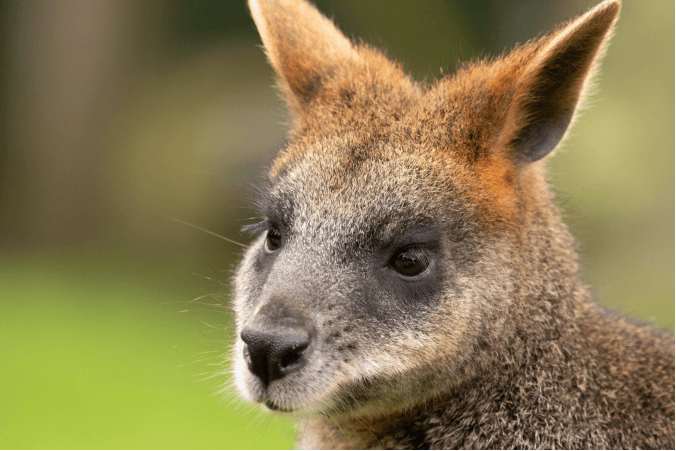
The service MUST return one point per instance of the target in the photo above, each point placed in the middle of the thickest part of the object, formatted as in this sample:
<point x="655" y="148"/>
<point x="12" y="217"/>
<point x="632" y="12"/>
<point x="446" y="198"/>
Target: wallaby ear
<point x="304" y="47"/>
<point x="549" y="90"/>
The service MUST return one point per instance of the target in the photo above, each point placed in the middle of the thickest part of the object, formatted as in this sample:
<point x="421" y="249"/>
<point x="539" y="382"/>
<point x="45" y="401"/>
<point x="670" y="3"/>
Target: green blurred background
<point x="116" y="116"/>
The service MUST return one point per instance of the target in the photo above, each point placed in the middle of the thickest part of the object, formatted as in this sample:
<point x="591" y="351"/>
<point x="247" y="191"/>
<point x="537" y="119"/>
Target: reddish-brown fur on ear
<point x="315" y="62"/>
<point x="516" y="109"/>
<point x="302" y="45"/>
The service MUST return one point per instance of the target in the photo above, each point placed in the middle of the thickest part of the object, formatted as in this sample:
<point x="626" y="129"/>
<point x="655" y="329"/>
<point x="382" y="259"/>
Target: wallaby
<point x="412" y="284"/>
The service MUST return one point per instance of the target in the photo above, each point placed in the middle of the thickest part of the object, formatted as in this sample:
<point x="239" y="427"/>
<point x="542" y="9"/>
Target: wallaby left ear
<point x="550" y="88"/>
<point x="305" y="48"/>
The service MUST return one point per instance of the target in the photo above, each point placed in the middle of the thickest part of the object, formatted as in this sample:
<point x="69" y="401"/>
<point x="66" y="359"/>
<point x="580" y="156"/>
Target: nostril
<point x="247" y="355"/>
<point x="292" y="354"/>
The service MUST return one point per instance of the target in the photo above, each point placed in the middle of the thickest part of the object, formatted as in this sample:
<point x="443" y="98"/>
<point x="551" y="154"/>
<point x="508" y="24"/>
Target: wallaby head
<point x="409" y="244"/>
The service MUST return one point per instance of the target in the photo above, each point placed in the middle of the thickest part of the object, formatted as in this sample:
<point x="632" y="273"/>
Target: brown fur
<point x="506" y="349"/>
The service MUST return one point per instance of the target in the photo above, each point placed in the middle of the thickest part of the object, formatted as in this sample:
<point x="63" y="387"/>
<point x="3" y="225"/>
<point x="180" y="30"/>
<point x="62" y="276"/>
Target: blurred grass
<point x="95" y="354"/>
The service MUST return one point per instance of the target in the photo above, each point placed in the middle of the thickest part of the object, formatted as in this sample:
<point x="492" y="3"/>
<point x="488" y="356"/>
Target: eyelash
<point x="258" y="228"/>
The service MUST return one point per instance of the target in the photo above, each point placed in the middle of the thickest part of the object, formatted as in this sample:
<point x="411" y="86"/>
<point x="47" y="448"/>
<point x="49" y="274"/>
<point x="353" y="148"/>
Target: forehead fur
<point x="360" y="185"/>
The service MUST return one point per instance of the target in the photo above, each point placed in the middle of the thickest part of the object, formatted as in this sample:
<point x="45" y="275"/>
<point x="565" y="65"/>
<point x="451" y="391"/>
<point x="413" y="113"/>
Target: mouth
<point x="350" y="398"/>
<point x="270" y="404"/>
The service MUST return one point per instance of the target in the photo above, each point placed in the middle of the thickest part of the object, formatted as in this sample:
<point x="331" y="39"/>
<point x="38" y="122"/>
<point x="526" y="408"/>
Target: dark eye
<point x="273" y="240"/>
<point x="410" y="262"/>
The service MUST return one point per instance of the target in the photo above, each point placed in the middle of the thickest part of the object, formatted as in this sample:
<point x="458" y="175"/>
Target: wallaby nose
<point x="271" y="356"/>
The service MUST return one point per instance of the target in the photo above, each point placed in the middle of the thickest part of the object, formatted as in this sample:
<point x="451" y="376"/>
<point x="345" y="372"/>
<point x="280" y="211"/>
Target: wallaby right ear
<point x="548" y="91"/>
<point x="305" y="48"/>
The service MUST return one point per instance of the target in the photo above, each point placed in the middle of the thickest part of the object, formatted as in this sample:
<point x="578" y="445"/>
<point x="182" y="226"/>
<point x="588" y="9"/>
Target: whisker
<point x="209" y="232"/>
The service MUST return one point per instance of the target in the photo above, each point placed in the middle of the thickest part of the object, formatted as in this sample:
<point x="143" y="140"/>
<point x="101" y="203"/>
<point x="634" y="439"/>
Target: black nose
<point x="271" y="356"/>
